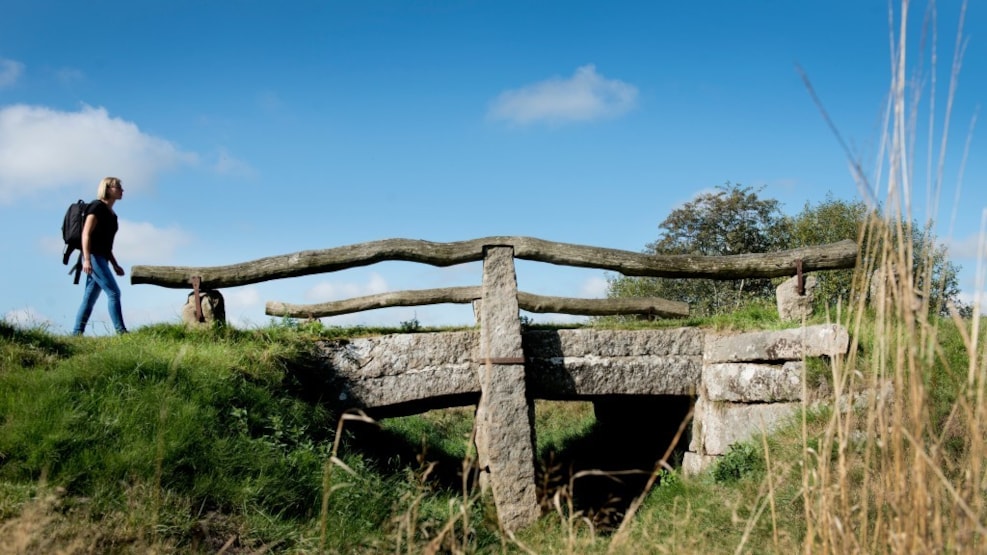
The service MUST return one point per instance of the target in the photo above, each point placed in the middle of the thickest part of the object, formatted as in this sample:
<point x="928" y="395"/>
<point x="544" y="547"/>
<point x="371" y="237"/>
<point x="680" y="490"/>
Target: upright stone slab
<point x="505" y="414"/>
<point x="211" y="305"/>
<point x="793" y="306"/>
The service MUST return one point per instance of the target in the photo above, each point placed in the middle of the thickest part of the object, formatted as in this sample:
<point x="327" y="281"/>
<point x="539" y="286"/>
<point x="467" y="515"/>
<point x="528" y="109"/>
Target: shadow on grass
<point x="392" y="452"/>
<point x="32" y="347"/>
<point x="612" y="463"/>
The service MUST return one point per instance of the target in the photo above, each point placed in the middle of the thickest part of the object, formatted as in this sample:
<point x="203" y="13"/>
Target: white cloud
<point x="560" y="319"/>
<point x="328" y="291"/>
<point x="27" y="317"/>
<point x="143" y="243"/>
<point x="594" y="288"/>
<point x="44" y="149"/>
<point x="972" y="298"/>
<point x="136" y="243"/>
<point x="240" y="302"/>
<point x="968" y="247"/>
<point x="10" y="72"/>
<point x="584" y="96"/>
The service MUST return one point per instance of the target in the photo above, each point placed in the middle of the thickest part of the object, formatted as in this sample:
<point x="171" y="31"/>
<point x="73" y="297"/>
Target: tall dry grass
<point x="888" y="476"/>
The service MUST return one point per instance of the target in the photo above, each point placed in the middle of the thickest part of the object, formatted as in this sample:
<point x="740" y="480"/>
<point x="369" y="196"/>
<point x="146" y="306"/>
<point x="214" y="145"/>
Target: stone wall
<point x="751" y="383"/>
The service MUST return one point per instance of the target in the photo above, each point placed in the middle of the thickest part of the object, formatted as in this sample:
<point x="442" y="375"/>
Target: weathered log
<point x="457" y="295"/>
<point x="464" y="295"/>
<point x="602" y="307"/>
<point x="762" y="265"/>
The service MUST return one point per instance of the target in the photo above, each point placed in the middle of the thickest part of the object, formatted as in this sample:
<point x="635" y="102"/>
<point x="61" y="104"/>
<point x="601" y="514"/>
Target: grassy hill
<point x="175" y="440"/>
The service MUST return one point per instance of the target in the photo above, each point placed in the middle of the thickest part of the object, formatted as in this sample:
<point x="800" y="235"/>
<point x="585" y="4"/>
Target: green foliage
<point x="669" y="479"/>
<point x="946" y="379"/>
<point x="731" y="220"/>
<point x="736" y="220"/>
<point x="818" y="373"/>
<point x="935" y="274"/>
<point x="742" y="461"/>
<point x="155" y="411"/>
<point x="830" y="221"/>
<point x="291" y="329"/>
<point x="835" y="220"/>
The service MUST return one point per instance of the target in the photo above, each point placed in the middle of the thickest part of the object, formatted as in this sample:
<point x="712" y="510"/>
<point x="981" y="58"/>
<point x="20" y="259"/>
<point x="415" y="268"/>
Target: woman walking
<point x="98" y="231"/>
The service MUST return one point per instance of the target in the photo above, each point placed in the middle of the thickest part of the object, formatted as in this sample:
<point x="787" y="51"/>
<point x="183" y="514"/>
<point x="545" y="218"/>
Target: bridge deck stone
<point x="788" y="344"/>
<point x="429" y="369"/>
<point x="389" y="370"/>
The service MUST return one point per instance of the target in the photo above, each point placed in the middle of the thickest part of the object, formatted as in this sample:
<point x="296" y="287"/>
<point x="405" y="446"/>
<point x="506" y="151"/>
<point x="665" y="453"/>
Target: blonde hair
<point x="105" y="184"/>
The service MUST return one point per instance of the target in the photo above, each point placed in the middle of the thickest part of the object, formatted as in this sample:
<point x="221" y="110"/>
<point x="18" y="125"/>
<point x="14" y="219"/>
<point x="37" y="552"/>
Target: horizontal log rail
<point x="463" y="295"/>
<point x="833" y="256"/>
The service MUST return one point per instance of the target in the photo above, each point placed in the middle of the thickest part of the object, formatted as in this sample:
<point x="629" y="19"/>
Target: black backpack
<point x="75" y="217"/>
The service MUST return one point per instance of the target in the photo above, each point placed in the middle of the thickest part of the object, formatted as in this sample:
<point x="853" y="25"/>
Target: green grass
<point x="170" y="439"/>
<point x="216" y="421"/>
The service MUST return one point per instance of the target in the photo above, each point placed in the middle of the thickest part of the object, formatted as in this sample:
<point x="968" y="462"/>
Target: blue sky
<point x="243" y="129"/>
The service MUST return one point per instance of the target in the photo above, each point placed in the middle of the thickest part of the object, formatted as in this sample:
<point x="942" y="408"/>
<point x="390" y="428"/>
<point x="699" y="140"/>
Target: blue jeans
<point x="101" y="279"/>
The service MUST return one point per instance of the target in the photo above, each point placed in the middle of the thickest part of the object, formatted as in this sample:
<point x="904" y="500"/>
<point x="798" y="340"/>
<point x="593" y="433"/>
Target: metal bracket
<point x="196" y="280"/>
<point x="800" y="276"/>
<point x="504" y="360"/>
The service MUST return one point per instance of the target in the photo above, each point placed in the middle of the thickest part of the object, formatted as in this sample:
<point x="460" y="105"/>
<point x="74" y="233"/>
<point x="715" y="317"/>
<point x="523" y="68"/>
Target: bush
<point x="743" y="460"/>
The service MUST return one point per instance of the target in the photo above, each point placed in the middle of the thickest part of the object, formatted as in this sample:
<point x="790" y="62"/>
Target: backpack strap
<point x="77" y="269"/>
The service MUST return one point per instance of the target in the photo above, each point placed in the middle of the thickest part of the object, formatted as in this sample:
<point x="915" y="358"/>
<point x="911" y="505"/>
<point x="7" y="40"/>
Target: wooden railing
<point x="763" y="265"/>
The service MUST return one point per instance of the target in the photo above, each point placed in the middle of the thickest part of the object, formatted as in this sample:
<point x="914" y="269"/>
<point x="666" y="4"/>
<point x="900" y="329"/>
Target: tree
<point x="733" y="219"/>
<point x="829" y="221"/>
<point x="934" y="273"/>
<point x="835" y="220"/>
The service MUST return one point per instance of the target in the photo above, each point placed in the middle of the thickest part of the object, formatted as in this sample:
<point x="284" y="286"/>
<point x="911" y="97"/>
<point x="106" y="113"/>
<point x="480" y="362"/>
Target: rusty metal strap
<point x="196" y="280"/>
<point x="800" y="277"/>
<point x="504" y="360"/>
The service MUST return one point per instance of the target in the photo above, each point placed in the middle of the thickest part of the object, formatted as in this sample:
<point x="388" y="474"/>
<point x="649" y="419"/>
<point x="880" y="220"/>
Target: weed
<point x="742" y="461"/>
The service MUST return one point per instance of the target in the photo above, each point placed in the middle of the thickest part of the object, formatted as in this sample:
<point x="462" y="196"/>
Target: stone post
<point x="212" y="305"/>
<point x="792" y="305"/>
<point x="505" y="414"/>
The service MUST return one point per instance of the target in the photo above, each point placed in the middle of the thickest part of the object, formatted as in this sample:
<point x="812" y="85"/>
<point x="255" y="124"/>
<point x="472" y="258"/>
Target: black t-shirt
<point x="101" y="240"/>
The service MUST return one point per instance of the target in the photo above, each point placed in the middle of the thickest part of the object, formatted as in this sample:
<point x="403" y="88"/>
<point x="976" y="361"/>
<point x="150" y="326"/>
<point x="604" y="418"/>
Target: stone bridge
<point x="741" y="383"/>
